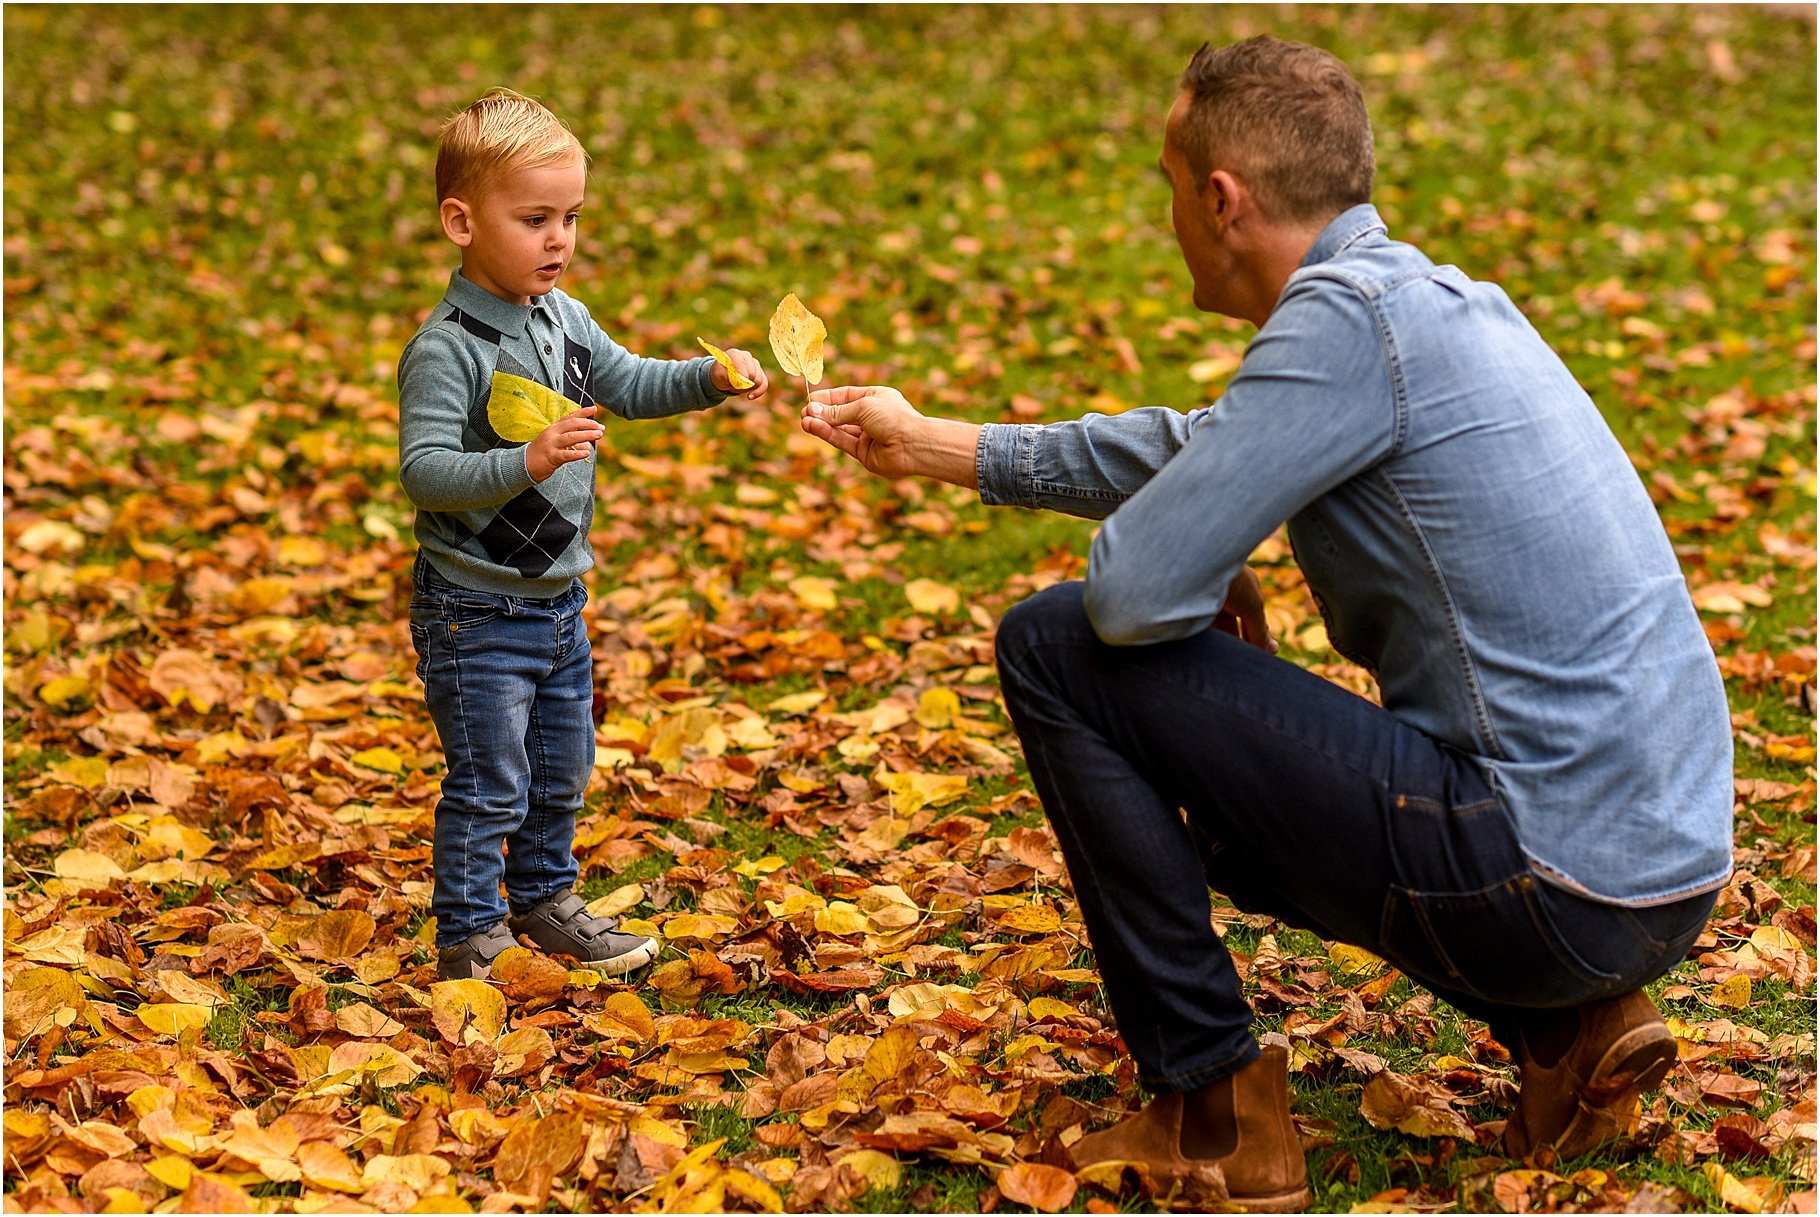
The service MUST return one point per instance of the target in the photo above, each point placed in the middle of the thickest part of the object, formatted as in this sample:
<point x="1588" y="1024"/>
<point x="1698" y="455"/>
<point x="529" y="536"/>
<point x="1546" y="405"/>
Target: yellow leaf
<point x="1734" y="992"/>
<point x="880" y="1170"/>
<point x="1031" y="919"/>
<point x="326" y="1167"/>
<point x="302" y="551"/>
<point x="65" y="689"/>
<point x="1049" y="1007"/>
<point x="338" y="934"/>
<point x="174" y="1018"/>
<point x="840" y="918"/>
<point x="40" y="998"/>
<point x="467" y="1010"/>
<point x="87" y="772"/>
<point x="814" y="592"/>
<point x="618" y="901"/>
<point x="735" y="377"/>
<point x="415" y="1171"/>
<point x="1354" y="961"/>
<point x="1214" y="367"/>
<point x="911" y="792"/>
<point x="798" y="703"/>
<point x="759" y="866"/>
<point x="796" y="339"/>
<point x="388" y="1066"/>
<point x="519" y="410"/>
<point x="382" y="759"/>
<point x="755" y="1190"/>
<point x="623" y="1016"/>
<point x="1739" y="1194"/>
<point x="928" y="596"/>
<point x="88" y="867"/>
<point x="658" y="1131"/>
<point x="705" y="926"/>
<point x="1774" y="936"/>
<point x="936" y="708"/>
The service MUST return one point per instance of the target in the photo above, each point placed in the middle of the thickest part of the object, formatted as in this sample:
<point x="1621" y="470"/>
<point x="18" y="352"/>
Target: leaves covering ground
<point x="875" y="991"/>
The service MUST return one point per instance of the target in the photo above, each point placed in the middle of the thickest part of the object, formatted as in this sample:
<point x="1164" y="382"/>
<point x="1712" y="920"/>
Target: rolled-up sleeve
<point x="1311" y="406"/>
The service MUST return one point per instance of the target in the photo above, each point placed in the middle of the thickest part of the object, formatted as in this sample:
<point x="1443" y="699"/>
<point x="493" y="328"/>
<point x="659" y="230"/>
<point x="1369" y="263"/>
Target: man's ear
<point x="457" y="222"/>
<point x="1225" y="199"/>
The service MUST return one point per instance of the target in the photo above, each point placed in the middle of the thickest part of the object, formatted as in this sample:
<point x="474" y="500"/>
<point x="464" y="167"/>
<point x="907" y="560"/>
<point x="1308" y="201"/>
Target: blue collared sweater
<point x="481" y="521"/>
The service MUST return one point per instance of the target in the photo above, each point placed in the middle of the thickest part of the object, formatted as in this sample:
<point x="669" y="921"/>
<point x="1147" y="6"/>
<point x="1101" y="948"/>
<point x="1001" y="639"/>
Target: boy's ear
<point x="457" y="222"/>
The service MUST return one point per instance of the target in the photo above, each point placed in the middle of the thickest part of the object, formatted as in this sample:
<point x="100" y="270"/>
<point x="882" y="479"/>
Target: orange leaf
<point x="1048" y="1189"/>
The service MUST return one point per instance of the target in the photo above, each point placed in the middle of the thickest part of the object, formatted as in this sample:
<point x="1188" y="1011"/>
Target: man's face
<point x="1202" y="249"/>
<point x="524" y="231"/>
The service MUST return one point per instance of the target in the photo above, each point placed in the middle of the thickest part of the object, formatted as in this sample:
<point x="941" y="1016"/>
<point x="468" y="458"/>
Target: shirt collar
<point x="482" y="305"/>
<point x="1344" y="230"/>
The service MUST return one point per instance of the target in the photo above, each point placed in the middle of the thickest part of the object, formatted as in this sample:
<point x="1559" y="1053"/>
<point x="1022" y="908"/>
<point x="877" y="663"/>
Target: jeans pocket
<point x="1497" y="944"/>
<point x="420" y="643"/>
<point x="466" y="610"/>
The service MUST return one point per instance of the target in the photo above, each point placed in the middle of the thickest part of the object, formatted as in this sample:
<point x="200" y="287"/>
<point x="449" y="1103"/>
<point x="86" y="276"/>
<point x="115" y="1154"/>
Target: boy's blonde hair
<point x="502" y="132"/>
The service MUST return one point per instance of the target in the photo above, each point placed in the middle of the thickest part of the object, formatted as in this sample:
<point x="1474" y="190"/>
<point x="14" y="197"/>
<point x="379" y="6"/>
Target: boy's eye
<point x="534" y="221"/>
<point x="572" y="217"/>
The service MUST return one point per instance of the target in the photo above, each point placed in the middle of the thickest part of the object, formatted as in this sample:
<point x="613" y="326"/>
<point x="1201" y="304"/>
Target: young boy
<point x="502" y="530"/>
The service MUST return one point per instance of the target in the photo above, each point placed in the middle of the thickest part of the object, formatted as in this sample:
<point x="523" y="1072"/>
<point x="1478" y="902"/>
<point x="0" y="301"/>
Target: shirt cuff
<point x="709" y="390"/>
<point x="1005" y="462"/>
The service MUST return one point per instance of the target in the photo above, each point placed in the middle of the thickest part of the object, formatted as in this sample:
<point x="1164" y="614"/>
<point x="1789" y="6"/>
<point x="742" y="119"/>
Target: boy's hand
<point x="569" y="438"/>
<point x="748" y="367"/>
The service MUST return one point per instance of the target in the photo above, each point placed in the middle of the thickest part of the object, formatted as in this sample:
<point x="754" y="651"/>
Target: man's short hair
<point x="502" y="132"/>
<point x="1287" y="118"/>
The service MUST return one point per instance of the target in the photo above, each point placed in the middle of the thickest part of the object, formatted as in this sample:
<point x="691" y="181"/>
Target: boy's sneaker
<point x="562" y="925"/>
<point x="472" y="958"/>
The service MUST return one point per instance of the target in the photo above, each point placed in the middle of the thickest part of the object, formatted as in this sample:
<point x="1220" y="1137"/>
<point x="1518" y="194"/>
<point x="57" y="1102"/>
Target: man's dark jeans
<point x="1302" y="801"/>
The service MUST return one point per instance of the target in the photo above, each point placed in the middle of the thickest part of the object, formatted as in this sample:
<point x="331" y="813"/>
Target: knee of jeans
<point x="1052" y="613"/>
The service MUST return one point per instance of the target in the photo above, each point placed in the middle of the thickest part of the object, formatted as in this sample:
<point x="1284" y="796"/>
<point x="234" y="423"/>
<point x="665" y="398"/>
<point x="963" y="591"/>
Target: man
<point x="1534" y="823"/>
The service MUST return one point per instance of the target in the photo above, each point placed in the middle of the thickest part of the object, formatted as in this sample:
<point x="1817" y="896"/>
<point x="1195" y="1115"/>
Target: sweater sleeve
<point x="437" y="385"/>
<point x="633" y="386"/>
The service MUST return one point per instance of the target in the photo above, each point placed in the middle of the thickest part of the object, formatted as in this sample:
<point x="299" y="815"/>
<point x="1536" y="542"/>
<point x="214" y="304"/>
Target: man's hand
<point x="749" y="367"/>
<point x="875" y="426"/>
<point x="1242" y="615"/>
<point x="567" y="439"/>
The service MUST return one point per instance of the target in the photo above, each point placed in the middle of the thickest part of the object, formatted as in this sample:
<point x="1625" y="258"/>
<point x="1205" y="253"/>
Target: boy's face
<point x="518" y="238"/>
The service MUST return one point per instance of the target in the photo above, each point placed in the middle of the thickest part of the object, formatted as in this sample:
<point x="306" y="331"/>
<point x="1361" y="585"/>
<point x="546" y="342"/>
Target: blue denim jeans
<point x="509" y="681"/>
<point x="1168" y="768"/>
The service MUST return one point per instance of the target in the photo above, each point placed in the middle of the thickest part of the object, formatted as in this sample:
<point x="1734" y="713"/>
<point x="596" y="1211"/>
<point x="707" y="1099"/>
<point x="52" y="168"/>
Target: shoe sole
<point x="1636" y="1062"/>
<point x="631" y="961"/>
<point x="1283" y="1202"/>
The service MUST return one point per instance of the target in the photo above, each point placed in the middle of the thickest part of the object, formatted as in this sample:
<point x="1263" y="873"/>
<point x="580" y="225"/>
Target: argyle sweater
<point x="481" y="521"/>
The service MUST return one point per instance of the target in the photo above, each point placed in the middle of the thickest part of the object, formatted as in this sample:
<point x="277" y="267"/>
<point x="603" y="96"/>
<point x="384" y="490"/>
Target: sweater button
<point x="547" y="348"/>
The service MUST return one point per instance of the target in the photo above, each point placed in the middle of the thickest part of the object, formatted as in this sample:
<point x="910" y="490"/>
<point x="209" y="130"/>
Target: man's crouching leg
<point x="1221" y="1121"/>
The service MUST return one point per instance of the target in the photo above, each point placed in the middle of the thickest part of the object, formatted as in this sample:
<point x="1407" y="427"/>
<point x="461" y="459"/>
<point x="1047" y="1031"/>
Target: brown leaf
<point x="1415" y="1106"/>
<point x="1047" y="1189"/>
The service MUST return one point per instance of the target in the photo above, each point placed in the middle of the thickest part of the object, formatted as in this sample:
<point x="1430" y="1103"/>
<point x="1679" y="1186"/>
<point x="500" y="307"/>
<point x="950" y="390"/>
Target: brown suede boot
<point x="1589" y="1092"/>
<point x="1263" y="1172"/>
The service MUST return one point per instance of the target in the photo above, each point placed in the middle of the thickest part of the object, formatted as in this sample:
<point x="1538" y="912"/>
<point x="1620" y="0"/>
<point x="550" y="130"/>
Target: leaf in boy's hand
<point x="735" y="377"/>
<point x="520" y="409"/>
<point x="796" y="339"/>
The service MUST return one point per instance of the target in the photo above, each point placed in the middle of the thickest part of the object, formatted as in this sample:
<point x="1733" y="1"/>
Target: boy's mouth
<point x="550" y="268"/>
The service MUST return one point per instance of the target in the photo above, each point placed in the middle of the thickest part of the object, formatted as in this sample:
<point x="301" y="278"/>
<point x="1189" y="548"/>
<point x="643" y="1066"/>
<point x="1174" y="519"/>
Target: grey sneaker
<point x="472" y="958"/>
<point x="562" y="925"/>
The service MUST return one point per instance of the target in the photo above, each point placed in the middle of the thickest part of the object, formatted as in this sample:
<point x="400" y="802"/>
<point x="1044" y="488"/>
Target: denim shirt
<point x="1473" y="534"/>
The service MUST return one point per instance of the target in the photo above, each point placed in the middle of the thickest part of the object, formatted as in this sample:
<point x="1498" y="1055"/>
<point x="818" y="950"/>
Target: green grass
<point x="220" y="236"/>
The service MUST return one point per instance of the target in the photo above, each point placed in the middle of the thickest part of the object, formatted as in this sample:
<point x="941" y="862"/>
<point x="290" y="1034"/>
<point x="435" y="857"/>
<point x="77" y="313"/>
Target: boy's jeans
<point x="510" y="684"/>
<point x="1302" y="801"/>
